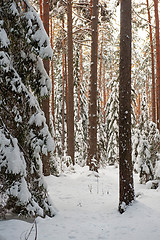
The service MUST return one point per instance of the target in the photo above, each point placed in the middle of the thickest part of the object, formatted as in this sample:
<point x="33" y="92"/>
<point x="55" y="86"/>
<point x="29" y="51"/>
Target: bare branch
<point x="77" y="41"/>
<point x="85" y="19"/>
<point x="143" y="19"/>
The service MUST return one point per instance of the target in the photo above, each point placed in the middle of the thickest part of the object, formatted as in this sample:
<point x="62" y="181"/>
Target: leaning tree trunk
<point x="92" y="128"/>
<point x="70" y="103"/>
<point x="125" y="162"/>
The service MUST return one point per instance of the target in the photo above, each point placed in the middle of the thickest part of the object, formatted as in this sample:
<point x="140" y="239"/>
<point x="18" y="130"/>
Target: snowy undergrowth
<point x="87" y="209"/>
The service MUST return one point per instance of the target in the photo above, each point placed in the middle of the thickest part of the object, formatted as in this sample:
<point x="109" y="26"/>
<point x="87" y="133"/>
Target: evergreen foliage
<point x="112" y="129"/>
<point x="145" y="145"/>
<point x="24" y="134"/>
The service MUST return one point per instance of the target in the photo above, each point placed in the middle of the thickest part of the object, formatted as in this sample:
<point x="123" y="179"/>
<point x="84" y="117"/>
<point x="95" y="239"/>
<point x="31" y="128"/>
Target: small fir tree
<point x="112" y="121"/>
<point x="142" y="145"/>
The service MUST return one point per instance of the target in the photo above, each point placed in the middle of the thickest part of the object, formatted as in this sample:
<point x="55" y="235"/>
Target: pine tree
<point x="154" y="140"/>
<point x="92" y="132"/>
<point x="145" y="145"/>
<point x="112" y="125"/>
<point x="24" y="134"/>
<point x="152" y="64"/>
<point x="143" y="160"/>
<point x="70" y="99"/>
<point x="157" y="61"/>
<point x="45" y="101"/>
<point x="125" y="160"/>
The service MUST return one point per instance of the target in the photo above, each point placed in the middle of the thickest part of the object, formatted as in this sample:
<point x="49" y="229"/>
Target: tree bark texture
<point x="70" y="84"/>
<point x="153" y="70"/>
<point x="80" y="80"/>
<point x="52" y="72"/>
<point x="100" y="74"/>
<point x="41" y="12"/>
<point x="63" y="91"/>
<point x="45" y="102"/>
<point x="157" y="61"/>
<point x="104" y="92"/>
<point x="126" y="195"/>
<point x="92" y="129"/>
<point x="46" y="61"/>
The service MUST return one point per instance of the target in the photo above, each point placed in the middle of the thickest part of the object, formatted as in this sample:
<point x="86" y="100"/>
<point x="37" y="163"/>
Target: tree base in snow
<point x="154" y="184"/>
<point x="10" y="216"/>
<point x="123" y="206"/>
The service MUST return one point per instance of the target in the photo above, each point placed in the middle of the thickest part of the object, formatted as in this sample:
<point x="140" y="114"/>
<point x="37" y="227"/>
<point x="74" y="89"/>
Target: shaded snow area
<point x="87" y="210"/>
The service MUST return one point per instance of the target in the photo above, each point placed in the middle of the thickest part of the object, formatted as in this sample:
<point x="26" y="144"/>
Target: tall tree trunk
<point x="157" y="62"/>
<point x="92" y="128"/>
<point x="104" y="93"/>
<point x="70" y="84"/>
<point x="52" y="77"/>
<point x="63" y="90"/>
<point x="153" y="71"/>
<point x="100" y="75"/>
<point x="45" y="102"/>
<point x="80" y="80"/>
<point x="66" y="90"/>
<point x="139" y="106"/>
<point x="125" y="162"/>
<point x="41" y="9"/>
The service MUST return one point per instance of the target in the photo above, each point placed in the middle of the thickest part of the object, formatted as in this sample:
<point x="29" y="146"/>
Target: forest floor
<point x="87" y="210"/>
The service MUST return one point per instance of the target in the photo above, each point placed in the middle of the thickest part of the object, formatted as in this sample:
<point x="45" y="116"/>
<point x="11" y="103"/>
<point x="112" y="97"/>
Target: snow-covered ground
<point x="87" y="210"/>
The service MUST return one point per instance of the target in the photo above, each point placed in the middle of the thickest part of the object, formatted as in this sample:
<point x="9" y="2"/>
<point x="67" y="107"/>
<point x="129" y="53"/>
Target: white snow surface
<point x="87" y="210"/>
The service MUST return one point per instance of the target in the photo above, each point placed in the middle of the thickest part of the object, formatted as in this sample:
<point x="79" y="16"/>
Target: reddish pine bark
<point x="70" y="84"/>
<point x="80" y="80"/>
<point x="104" y="93"/>
<point x="45" y="102"/>
<point x="52" y="77"/>
<point x="157" y="61"/>
<point x="63" y="90"/>
<point x="100" y="73"/>
<point x="41" y="11"/>
<point x="153" y="70"/>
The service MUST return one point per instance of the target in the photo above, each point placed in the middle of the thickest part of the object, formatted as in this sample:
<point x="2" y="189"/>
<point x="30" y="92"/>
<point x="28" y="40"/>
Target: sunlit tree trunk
<point x="100" y="75"/>
<point x="70" y="84"/>
<point x="80" y="80"/>
<point x="126" y="195"/>
<point x="45" y="102"/>
<point x="41" y="9"/>
<point x="92" y="128"/>
<point x="52" y="74"/>
<point x="157" y="61"/>
<point x="153" y="70"/>
<point x="139" y="105"/>
<point x="63" y="90"/>
<point x="104" y="93"/>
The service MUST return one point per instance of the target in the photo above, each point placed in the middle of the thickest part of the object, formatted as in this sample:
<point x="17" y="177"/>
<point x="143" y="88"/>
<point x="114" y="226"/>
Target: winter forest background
<point x="59" y="97"/>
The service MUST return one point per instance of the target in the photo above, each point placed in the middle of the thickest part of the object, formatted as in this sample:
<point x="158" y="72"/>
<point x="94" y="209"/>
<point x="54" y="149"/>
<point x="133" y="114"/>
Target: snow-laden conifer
<point x="112" y="121"/>
<point x="142" y="145"/>
<point x="24" y="134"/>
